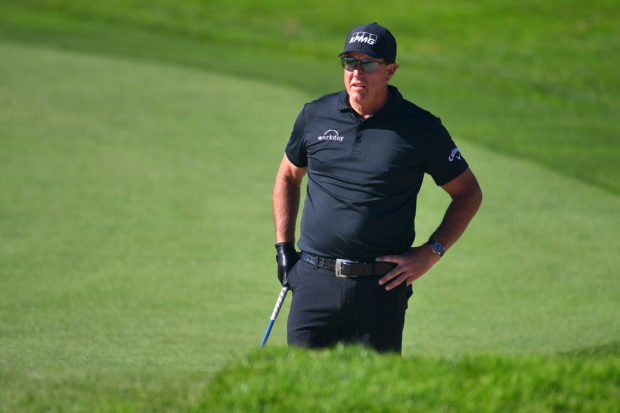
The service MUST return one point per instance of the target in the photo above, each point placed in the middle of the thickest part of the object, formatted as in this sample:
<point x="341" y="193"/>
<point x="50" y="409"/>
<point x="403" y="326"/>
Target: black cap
<point x="373" y="40"/>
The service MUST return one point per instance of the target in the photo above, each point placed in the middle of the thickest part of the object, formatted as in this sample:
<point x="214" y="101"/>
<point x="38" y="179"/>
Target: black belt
<point x="346" y="268"/>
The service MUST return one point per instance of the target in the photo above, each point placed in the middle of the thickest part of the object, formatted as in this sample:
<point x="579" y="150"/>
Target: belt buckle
<point x="340" y="262"/>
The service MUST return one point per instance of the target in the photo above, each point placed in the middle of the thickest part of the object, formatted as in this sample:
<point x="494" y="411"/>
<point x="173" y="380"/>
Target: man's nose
<point x="358" y="68"/>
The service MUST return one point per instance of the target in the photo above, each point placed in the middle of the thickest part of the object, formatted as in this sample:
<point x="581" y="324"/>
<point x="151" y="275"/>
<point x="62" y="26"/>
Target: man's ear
<point x="391" y="70"/>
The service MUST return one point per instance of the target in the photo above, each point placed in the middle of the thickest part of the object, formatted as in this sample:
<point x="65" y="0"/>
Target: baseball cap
<point x="373" y="40"/>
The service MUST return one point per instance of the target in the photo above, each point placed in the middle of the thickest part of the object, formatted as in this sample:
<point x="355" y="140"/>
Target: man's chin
<point x="357" y="96"/>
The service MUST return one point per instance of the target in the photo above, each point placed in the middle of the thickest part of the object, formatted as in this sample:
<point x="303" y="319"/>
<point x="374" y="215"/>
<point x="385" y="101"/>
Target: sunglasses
<point x="367" y="65"/>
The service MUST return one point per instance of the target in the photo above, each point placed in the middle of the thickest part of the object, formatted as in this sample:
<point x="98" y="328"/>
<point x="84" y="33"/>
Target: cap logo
<point x="363" y="37"/>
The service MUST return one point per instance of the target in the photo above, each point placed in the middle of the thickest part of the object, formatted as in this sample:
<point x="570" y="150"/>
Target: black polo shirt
<point x="364" y="174"/>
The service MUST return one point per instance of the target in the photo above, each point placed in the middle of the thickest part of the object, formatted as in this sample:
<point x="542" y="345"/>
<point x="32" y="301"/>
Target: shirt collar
<point x="343" y="101"/>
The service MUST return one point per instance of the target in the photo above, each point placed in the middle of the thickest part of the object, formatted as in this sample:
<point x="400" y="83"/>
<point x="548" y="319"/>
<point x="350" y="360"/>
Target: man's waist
<point x="345" y="268"/>
<point x="357" y="243"/>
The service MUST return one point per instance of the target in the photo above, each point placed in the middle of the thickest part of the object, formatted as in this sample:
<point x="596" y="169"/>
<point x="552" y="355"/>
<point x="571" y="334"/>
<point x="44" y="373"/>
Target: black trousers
<point x="326" y="310"/>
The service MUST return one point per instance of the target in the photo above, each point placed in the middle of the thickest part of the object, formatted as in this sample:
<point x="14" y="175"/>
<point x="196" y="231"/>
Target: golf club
<point x="274" y="315"/>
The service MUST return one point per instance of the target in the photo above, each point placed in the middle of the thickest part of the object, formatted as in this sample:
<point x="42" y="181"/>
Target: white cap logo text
<point x="363" y="37"/>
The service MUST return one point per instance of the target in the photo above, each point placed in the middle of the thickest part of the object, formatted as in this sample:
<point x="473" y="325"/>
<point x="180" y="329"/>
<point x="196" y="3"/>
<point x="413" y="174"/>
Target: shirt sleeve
<point x="443" y="160"/>
<point x="296" y="147"/>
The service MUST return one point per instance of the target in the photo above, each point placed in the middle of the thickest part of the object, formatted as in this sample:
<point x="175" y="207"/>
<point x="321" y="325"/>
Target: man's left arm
<point x="466" y="199"/>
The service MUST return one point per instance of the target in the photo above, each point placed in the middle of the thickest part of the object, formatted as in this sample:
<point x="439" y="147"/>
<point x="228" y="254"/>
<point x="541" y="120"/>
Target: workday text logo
<point x="331" y="135"/>
<point x="363" y="37"/>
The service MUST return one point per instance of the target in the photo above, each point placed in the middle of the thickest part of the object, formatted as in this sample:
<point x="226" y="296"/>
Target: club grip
<point x="278" y="306"/>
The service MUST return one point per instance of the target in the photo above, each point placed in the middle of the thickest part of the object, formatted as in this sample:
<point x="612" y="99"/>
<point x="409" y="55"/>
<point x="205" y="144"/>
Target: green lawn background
<point x="522" y="77"/>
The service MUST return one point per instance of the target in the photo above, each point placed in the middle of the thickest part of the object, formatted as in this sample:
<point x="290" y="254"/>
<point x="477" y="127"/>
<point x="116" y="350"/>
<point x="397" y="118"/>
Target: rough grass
<point x="358" y="380"/>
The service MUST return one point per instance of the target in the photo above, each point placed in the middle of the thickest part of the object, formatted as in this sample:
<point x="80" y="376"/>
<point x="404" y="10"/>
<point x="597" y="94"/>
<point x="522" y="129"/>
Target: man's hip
<point x="327" y="309"/>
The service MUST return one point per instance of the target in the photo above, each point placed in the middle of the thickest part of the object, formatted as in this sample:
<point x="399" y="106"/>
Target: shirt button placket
<point x="357" y="144"/>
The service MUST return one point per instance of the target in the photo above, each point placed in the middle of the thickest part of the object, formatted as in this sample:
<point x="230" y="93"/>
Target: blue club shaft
<point x="267" y="333"/>
<point x="274" y="315"/>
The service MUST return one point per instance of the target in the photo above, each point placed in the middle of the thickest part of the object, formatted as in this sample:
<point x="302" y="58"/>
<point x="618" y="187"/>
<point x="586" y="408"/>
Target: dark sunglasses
<point x="367" y="65"/>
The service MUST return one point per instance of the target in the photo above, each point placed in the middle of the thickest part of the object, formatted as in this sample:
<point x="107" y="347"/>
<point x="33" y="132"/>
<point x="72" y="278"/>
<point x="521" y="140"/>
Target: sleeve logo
<point x="455" y="154"/>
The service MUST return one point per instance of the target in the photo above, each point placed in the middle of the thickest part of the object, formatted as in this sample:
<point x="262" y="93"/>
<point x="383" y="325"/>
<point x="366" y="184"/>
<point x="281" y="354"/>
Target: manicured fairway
<point x="136" y="235"/>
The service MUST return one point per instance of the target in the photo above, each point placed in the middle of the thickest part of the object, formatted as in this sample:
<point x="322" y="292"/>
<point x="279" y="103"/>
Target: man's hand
<point x="411" y="265"/>
<point x="286" y="257"/>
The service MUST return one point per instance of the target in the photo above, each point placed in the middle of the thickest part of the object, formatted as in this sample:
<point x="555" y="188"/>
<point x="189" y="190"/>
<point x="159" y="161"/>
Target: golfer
<point x="365" y="151"/>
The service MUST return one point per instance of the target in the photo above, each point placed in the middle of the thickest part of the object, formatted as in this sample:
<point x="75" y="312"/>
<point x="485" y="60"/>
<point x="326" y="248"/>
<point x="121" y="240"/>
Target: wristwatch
<point x="437" y="247"/>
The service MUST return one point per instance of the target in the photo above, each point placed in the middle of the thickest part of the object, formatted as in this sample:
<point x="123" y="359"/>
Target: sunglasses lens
<point x="348" y="63"/>
<point x="367" y="66"/>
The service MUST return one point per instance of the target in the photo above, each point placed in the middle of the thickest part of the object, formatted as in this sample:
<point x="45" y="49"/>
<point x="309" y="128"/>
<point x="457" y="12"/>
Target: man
<point x="365" y="151"/>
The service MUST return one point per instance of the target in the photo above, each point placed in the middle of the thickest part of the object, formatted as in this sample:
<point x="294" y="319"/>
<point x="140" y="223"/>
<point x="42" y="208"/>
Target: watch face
<point x="437" y="247"/>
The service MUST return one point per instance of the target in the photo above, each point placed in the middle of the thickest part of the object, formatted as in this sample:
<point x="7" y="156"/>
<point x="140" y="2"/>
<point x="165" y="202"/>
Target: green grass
<point x="527" y="79"/>
<point x="133" y="246"/>
<point x="137" y="254"/>
<point x="138" y="151"/>
<point x="357" y="380"/>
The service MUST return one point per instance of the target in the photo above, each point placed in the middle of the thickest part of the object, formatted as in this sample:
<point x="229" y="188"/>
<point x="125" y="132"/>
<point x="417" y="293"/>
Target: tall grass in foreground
<point x="354" y="379"/>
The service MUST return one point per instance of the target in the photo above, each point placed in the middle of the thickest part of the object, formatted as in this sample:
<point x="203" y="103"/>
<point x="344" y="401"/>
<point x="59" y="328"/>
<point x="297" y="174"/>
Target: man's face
<point x="367" y="89"/>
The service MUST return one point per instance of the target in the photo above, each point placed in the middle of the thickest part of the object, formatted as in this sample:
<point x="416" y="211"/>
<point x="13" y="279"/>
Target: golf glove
<point x="286" y="257"/>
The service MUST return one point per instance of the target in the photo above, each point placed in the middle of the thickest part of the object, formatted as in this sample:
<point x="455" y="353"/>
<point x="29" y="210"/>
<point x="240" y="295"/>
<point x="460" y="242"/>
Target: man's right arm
<point x="286" y="195"/>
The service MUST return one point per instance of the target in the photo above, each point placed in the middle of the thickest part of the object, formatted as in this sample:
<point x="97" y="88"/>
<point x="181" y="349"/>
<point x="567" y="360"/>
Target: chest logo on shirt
<point x="331" y="135"/>
<point x="455" y="154"/>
